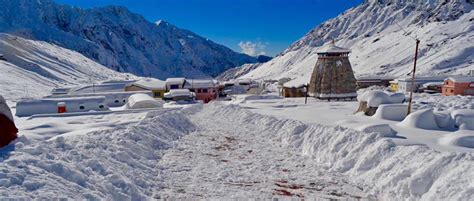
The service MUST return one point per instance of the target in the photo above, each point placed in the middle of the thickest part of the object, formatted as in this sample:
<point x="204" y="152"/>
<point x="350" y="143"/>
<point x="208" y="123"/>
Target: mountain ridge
<point x="380" y="34"/>
<point x="119" y="39"/>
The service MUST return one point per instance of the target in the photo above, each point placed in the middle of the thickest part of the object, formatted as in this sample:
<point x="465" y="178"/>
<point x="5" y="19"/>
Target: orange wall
<point x="452" y="88"/>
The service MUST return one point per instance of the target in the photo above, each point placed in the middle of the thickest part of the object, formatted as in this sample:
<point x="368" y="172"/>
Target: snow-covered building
<point x="294" y="88"/>
<point x="60" y="91"/>
<point x="112" y="99"/>
<point x="460" y="85"/>
<point x="179" y="94"/>
<point x="157" y="87"/>
<point x="104" y="87"/>
<point x="431" y="87"/>
<point x="364" y="82"/>
<point x="205" y="90"/>
<point x="175" y="83"/>
<point x="332" y="77"/>
<point x="51" y="105"/>
<point x="403" y="85"/>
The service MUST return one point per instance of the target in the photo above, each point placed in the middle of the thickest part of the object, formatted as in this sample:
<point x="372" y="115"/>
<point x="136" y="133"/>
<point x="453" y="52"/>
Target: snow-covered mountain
<point x="381" y="35"/>
<point x="119" y="39"/>
<point x="32" y="68"/>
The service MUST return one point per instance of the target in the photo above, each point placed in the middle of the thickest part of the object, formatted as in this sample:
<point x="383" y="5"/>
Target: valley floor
<point x="251" y="147"/>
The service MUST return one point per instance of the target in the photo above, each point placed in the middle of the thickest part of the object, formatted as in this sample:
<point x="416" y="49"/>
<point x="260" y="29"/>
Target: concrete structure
<point x="157" y="87"/>
<point x="175" y="83"/>
<point x="404" y="84"/>
<point x="364" y="82"/>
<point x="50" y="105"/>
<point x="462" y="85"/>
<point x="431" y="87"/>
<point x="332" y="77"/>
<point x="394" y="85"/>
<point x="108" y="86"/>
<point x="205" y="90"/>
<point x="294" y="88"/>
<point x="112" y="99"/>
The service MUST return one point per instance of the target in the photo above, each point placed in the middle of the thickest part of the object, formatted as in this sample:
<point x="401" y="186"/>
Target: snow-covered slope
<point x="119" y="39"/>
<point x="373" y="30"/>
<point x="238" y="71"/>
<point x="33" y="68"/>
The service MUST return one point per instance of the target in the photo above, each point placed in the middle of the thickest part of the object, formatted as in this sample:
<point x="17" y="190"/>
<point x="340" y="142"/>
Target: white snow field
<point x="342" y="114"/>
<point x="222" y="150"/>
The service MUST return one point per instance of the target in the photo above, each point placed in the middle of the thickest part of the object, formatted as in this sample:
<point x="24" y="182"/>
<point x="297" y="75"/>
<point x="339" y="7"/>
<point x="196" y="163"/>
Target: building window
<point x="156" y="94"/>
<point x="204" y="90"/>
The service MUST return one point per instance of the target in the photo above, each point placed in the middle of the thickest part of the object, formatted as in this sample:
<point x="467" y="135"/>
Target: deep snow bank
<point x="391" y="172"/>
<point x="117" y="164"/>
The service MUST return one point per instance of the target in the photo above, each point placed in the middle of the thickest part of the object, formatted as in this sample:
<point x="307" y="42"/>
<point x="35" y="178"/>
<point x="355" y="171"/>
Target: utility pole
<point x="413" y="78"/>
<point x="306" y="94"/>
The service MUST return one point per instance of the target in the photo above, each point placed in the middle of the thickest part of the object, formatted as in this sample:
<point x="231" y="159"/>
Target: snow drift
<point x="390" y="172"/>
<point x="374" y="98"/>
<point x="116" y="164"/>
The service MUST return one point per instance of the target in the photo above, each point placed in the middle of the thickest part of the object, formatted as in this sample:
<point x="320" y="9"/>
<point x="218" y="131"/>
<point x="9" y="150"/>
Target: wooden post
<point x="413" y="78"/>
<point x="306" y="94"/>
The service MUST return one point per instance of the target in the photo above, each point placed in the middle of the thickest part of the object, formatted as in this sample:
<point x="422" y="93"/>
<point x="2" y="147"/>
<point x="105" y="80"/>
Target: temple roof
<point x="332" y="48"/>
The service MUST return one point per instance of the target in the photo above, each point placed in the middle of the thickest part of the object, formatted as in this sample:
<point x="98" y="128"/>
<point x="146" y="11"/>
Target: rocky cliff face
<point x="119" y="39"/>
<point x="380" y="34"/>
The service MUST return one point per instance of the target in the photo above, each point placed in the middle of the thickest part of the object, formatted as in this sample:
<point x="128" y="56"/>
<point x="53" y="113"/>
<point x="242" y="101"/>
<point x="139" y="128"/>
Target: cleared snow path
<point x="223" y="159"/>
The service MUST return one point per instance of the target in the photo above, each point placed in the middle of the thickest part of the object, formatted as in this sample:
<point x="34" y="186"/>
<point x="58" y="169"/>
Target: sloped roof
<point x="296" y="83"/>
<point x="332" y="48"/>
<point x="194" y="83"/>
<point x="150" y="84"/>
<point x="175" y="80"/>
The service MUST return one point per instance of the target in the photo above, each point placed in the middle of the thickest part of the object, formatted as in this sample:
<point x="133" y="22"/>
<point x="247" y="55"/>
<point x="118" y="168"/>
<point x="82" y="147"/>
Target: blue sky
<point x="250" y="26"/>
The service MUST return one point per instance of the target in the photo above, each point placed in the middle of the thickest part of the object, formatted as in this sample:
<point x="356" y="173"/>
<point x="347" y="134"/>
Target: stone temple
<point x="332" y="76"/>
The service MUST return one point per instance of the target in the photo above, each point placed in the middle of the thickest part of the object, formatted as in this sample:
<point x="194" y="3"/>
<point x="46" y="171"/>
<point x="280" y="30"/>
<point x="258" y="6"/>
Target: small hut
<point x="332" y="77"/>
<point x="294" y="88"/>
